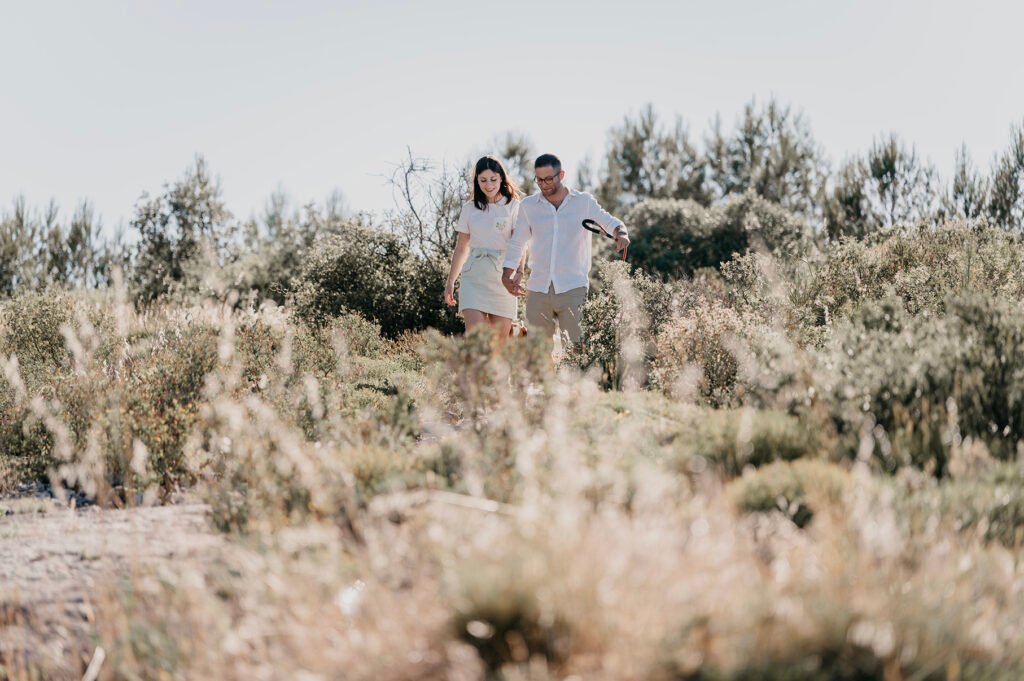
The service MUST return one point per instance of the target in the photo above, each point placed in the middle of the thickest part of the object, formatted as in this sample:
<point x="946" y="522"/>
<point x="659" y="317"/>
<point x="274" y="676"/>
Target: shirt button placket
<point x="554" y="243"/>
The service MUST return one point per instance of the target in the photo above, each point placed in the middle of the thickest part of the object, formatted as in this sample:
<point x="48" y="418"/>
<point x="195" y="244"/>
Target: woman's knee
<point x="473" y="318"/>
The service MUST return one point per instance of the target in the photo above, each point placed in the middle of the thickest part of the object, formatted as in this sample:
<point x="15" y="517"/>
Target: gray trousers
<point x="544" y="309"/>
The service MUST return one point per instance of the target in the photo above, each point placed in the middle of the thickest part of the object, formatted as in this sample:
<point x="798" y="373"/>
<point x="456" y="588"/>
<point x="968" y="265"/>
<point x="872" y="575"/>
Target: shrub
<point x="670" y="238"/>
<point x="374" y="274"/>
<point x="25" y="446"/>
<point x="260" y="471"/>
<point x="31" y="325"/>
<point x="515" y="603"/>
<point x="312" y="350"/>
<point x="762" y="285"/>
<point x="163" y="395"/>
<point x="257" y="344"/>
<point x="917" y="377"/>
<point x="505" y="623"/>
<point x="762" y="225"/>
<point x="737" y="438"/>
<point x="991" y="504"/>
<point x="35" y="332"/>
<point x="837" y="655"/>
<point x="702" y="337"/>
<point x="620" y="321"/>
<point x="472" y="374"/>
<point x="793" y="488"/>
<point x="675" y="238"/>
<point x="496" y="393"/>
<point x="272" y="249"/>
<point x="921" y="266"/>
<point x="361" y="337"/>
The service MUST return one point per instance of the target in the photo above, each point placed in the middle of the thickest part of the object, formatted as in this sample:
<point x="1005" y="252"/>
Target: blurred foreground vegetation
<point x="790" y="447"/>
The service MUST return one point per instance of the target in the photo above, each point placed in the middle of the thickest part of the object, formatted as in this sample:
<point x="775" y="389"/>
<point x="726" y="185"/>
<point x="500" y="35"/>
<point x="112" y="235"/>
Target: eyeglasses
<point x="546" y="180"/>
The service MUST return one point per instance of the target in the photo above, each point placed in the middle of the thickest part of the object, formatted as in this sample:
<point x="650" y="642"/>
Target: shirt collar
<point x="539" y="196"/>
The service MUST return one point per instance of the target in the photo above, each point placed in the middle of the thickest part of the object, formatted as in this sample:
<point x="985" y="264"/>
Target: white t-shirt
<point x="489" y="228"/>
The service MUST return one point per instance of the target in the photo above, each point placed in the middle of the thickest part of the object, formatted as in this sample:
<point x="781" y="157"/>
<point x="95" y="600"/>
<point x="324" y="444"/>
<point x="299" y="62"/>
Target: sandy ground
<point x="51" y="559"/>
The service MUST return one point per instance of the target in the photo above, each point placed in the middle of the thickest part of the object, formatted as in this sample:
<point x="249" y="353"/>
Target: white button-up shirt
<point x="560" y="248"/>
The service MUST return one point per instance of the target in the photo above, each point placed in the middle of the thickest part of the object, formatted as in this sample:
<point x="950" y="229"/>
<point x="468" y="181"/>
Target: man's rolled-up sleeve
<point x="602" y="217"/>
<point x="521" y="233"/>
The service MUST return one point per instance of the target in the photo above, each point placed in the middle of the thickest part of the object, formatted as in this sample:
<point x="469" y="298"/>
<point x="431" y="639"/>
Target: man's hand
<point x="510" y="279"/>
<point x="621" y="240"/>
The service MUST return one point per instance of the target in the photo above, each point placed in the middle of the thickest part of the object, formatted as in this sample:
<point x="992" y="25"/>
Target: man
<point x="551" y="222"/>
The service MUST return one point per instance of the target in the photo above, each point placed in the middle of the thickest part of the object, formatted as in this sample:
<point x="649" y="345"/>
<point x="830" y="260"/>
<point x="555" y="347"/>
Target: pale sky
<point x="106" y="99"/>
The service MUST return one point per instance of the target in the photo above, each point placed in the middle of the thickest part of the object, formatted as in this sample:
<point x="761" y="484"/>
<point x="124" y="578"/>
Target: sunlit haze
<point x="104" y="100"/>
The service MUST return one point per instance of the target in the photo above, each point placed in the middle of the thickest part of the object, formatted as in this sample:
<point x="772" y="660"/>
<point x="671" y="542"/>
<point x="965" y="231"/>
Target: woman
<point x="484" y="228"/>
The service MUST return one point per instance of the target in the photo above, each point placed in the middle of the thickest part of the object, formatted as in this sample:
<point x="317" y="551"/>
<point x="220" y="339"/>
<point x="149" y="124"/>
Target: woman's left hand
<point x="449" y="294"/>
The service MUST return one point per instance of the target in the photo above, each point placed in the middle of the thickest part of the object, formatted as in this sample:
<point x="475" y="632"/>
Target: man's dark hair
<point x="545" y="160"/>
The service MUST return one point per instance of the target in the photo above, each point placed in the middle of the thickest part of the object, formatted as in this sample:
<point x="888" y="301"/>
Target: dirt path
<point x="51" y="559"/>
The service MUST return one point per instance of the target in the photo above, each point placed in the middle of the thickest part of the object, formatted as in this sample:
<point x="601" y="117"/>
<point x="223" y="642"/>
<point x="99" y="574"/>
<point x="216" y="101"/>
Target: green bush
<point x="736" y="438"/>
<point x="921" y="266"/>
<point x="25" y="447"/>
<point x="163" y="395"/>
<point x="674" y="238"/>
<point x="918" y="377"/>
<point x="372" y="273"/>
<point x="670" y="238"/>
<point x="762" y="285"/>
<point x="361" y="337"/>
<point x="836" y="659"/>
<point x="476" y="373"/>
<point x="699" y="337"/>
<point x="791" y="487"/>
<point x="261" y="471"/>
<point x="257" y="344"/>
<point x="763" y="226"/>
<point x="511" y="606"/>
<point x="991" y="503"/>
<point x="33" y="330"/>
<point x="623" y="307"/>
<point x="31" y="325"/>
<point x="313" y="350"/>
<point x="715" y="355"/>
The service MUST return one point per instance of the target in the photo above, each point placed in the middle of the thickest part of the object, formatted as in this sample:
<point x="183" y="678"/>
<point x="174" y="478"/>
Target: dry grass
<point x="438" y="508"/>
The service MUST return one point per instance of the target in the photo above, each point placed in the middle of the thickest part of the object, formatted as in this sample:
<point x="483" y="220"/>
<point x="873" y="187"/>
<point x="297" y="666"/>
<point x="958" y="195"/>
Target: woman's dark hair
<point x="508" y="189"/>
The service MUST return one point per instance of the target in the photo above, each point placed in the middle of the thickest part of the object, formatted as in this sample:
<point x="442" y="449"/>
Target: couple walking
<point x="498" y="228"/>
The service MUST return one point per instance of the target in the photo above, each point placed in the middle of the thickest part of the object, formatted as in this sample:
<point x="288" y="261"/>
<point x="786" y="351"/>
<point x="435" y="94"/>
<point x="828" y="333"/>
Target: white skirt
<point x="480" y="286"/>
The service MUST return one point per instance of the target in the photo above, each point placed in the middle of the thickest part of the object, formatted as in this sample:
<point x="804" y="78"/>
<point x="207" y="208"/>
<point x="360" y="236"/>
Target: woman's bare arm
<point x="459" y="257"/>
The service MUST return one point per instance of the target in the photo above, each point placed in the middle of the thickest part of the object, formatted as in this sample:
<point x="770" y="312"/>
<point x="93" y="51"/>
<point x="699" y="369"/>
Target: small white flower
<point x="351" y="598"/>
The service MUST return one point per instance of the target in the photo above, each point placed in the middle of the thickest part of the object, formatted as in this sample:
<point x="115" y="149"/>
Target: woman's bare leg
<point x="501" y="325"/>
<point x="474" y="318"/>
